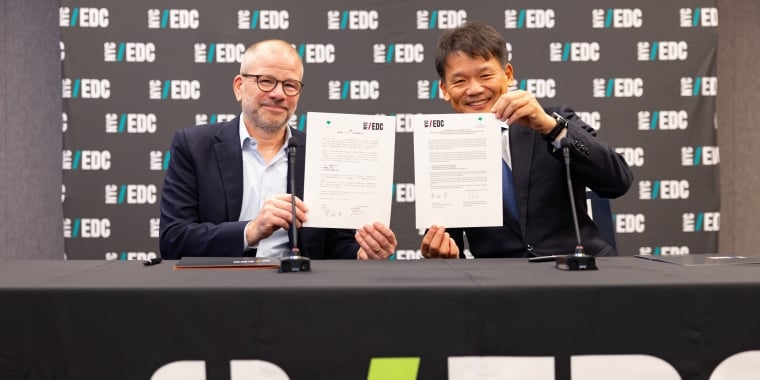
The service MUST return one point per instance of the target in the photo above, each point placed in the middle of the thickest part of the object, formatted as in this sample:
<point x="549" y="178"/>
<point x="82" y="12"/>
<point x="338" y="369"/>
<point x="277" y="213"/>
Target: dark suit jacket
<point x="545" y="224"/>
<point x="203" y="193"/>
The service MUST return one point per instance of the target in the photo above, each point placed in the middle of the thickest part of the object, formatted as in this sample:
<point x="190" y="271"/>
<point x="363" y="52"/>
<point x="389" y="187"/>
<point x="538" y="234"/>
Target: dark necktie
<point x="508" y="189"/>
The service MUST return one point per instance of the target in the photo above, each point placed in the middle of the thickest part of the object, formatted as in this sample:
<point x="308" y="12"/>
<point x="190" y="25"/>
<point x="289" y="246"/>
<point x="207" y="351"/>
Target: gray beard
<point x="269" y="126"/>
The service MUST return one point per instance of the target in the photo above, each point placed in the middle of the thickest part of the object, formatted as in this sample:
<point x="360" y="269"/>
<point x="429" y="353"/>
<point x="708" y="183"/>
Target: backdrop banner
<point x="644" y="76"/>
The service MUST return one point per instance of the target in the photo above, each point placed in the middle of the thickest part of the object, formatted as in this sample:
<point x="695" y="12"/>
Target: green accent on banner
<point x="393" y="368"/>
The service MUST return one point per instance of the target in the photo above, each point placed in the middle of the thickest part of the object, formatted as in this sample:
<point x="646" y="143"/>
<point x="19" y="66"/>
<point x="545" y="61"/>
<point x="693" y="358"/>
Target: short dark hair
<point x="474" y="38"/>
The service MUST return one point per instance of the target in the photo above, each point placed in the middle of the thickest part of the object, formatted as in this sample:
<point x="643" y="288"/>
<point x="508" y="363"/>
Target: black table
<point x="121" y="320"/>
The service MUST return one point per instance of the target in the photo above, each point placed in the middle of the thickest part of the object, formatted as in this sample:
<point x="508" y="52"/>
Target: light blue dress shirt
<point x="260" y="181"/>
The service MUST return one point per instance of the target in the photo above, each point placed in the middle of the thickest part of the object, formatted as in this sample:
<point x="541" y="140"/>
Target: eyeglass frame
<point x="276" y="82"/>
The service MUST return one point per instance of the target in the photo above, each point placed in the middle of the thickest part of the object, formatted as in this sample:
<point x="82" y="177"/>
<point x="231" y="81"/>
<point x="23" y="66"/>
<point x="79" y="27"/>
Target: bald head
<point x="278" y="50"/>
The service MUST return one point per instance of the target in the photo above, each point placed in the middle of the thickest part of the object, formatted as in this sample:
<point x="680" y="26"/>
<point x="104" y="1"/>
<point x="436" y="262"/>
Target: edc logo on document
<point x="433" y="123"/>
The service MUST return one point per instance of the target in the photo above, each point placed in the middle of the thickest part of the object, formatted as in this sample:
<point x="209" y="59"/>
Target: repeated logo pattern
<point x="133" y="73"/>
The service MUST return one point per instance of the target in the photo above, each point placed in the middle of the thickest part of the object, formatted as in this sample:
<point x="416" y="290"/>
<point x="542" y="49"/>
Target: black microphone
<point x="153" y="261"/>
<point x="578" y="260"/>
<point x="294" y="262"/>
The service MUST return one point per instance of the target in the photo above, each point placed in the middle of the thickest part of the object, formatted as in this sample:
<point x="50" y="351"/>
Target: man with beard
<point x="225" y="191"/>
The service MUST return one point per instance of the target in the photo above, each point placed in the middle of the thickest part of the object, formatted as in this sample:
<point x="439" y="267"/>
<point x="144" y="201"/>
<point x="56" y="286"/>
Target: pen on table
<point x="541" y="259"/>
<point x="153" y="261"/>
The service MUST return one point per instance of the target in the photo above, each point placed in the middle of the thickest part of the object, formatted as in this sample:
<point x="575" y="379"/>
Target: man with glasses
<point x="225" y="191"/>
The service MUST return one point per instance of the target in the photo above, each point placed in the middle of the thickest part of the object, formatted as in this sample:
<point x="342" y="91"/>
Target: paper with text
<point x="348" y="179"/>
<point x="457" y="170"/>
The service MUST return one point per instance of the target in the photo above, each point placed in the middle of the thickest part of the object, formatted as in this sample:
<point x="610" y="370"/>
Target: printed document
<point x="348" y="177"/>
<point x="457" y="170"/>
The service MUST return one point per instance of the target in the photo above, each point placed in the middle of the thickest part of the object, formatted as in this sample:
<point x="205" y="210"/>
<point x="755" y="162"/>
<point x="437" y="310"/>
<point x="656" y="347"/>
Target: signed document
<point x="349" y="169"/>
<point x="457" y="170"/>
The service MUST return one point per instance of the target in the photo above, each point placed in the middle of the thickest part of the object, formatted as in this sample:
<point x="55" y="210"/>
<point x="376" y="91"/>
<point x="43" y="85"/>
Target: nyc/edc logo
<point x="134" y="194"/>
<point x="353" y="20"/>
<point x="173" y="19"/>
<point x="219" y="52"/>
<point x="316" y="53"/>
<point x="83" y="17"/>
<point x="139" y="123"/>
<point x="619" y="18"/>
<point x="86" y="160"/>
<point x="86" y="88"/>
<point x="174" y="89"/>
<point x="263" y="19"/>
<point x="664" y="189"/>
<point x="129" y="52"/>
<point x="398" y="53"/>
<point x="353" y="90"/>
<point x="529" y="19"/>
<point x="87" y="228"/>
<point x="441" y="18"/>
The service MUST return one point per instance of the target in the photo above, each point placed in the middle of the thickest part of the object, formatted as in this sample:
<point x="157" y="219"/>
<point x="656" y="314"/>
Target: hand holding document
<point x="457" y="170"/>
<point x="348" y="176"/>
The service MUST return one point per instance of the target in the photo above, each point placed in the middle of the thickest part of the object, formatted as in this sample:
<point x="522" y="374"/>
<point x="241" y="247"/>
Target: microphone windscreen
<point x="292" y="143"/>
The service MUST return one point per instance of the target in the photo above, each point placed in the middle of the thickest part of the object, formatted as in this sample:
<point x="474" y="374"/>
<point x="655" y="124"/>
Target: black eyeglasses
<point x="267" y="83"/>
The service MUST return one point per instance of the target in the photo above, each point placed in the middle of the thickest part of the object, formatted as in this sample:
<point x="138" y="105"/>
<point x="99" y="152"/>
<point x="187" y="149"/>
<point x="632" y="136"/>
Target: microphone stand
<point x="293" y="262"/>
<point x="578" y="260"/>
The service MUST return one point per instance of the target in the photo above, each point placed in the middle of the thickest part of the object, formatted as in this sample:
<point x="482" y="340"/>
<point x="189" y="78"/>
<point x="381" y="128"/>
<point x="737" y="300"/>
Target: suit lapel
<point x="229" y="156"/>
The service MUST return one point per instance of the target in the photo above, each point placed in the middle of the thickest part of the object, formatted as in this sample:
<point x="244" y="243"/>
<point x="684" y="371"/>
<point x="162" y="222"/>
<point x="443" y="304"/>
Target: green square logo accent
<point x="393" y="368"/>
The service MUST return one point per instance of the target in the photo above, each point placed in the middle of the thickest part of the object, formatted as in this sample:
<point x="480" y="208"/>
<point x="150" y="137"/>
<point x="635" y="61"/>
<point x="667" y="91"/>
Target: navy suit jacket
<point x="203" y="194"/>
<point x="545" y="225"/>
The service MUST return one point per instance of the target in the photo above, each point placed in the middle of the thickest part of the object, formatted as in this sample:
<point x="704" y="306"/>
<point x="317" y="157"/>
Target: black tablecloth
<point x="121" y="320"/>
